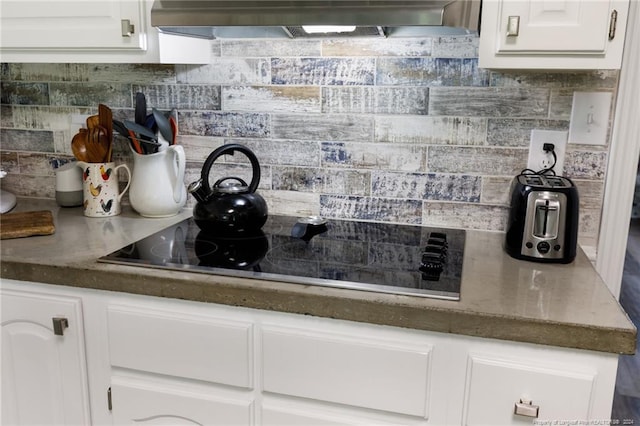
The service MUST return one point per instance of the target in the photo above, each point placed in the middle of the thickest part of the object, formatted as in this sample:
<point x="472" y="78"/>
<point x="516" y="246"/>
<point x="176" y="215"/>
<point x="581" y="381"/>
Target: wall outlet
<point x="539" y="159"/>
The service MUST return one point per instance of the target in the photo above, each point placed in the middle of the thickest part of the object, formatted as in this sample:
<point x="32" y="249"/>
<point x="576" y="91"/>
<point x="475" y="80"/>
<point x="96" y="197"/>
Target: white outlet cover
<point x="538" y="139"/>
<point x="590" y="118"/>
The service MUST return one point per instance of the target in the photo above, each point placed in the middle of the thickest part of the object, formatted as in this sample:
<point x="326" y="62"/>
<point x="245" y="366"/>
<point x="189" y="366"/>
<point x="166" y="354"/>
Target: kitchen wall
<point x="400" y="130"/>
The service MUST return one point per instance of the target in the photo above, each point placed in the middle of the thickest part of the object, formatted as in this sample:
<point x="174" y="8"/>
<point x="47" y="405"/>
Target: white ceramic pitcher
<point x="157" y="185"/>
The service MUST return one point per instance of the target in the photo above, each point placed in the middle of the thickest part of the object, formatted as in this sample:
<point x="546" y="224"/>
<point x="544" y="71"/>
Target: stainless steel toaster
<point x="543" y="219"/>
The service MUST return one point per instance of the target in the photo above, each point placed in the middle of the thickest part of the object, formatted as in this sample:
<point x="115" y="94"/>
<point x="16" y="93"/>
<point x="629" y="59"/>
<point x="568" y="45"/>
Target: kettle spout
<point x="197" y="190"/>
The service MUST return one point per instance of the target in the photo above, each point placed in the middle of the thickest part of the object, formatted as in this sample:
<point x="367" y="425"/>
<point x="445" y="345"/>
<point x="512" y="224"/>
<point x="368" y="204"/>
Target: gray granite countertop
<point x="502" y="298"/>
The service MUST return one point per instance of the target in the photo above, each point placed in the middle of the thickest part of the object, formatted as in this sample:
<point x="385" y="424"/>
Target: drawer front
<point x="381" y="375"/>
<point x="151" y="403"/>
<point x="181" y="345"/>
<point x="495" y="385"/>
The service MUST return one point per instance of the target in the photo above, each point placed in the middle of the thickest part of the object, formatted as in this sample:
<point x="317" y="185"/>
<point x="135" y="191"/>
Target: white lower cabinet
<point x="165" y="361"/>
<point x="172" y="366"/>
<point x="44" y="374"/>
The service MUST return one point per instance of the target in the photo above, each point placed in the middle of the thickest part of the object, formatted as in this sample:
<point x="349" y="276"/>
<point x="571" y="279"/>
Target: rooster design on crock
<point x="106" y="207"/>
<point x="95" y="190"/>
<point x="105" y="173"/>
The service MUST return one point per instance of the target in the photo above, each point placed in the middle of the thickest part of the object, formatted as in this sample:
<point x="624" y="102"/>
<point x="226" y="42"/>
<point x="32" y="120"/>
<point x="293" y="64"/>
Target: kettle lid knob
<point x="224" y="186"/>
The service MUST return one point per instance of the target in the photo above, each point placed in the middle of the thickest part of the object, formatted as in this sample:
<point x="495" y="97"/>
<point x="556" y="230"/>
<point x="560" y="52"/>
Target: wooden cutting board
<point x="26" y="224"/>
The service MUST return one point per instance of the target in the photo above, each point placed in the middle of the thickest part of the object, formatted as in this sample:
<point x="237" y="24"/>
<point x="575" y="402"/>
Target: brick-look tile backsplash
<point x="402" y="130"/>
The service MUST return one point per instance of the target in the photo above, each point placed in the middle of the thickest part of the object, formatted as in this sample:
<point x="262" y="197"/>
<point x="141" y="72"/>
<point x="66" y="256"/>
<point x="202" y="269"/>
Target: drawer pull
<point x="513" y="26"/>
<point x="526" y="408"/>
<point x="127" y="28"/>
<point x="59" y="324"/>
<point x="612" y="24"/>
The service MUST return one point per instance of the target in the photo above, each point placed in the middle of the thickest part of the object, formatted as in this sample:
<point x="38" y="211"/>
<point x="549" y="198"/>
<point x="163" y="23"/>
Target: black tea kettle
<point x="231" y="206"/>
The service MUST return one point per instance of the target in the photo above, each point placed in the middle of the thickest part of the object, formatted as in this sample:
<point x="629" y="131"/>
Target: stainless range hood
<point x="266" y="18"/>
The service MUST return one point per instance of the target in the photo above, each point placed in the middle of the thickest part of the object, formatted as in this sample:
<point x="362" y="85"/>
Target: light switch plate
<point x="590" y="118"/>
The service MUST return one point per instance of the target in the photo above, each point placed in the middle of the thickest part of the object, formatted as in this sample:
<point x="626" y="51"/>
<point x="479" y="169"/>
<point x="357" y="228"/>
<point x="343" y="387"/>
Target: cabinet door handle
<point x="612" y="24"/>
<point x="513" y="26"/>
<point x="526" y="408"/>
<point x="59" y="324"/>
<point x="128" y="29"/>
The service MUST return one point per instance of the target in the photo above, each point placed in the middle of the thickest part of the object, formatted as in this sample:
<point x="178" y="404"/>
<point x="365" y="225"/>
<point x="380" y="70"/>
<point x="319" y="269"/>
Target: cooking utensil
<point x="164" y="127"/>
<point x="104" y="141"/>
<point x="149" y="147"/>
<point x="174" y="130"/>
<point x="134" y="142"/>
<point x="150" y="123"/>
<point x="120" y="128"/>
<point x="141" y="131"/>
<point x="141" y="109"/>
<point x="98" y="146"/>
<point x="106" y="120"/>
<point x="92" y="121"/>
<point x="229" y="207"/>
<point x="79" y="145"/>
<point x="129" y="134"/>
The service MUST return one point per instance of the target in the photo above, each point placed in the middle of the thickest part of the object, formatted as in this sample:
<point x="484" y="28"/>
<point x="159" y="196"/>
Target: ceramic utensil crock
<point x="100" y="188"/>
<point x="157" y="184"/>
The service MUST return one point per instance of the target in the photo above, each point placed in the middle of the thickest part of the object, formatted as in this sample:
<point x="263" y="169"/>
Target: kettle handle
<point x="230" y="149"/>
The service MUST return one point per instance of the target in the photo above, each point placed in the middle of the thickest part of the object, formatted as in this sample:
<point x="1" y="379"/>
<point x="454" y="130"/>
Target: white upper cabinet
<point x="77" y="31"/>
<point x="73" y="25"/>
<point x="553" y="34"/>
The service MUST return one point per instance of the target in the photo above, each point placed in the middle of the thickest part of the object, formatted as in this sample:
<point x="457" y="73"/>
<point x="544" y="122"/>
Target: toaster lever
<point x="545" y="224"/>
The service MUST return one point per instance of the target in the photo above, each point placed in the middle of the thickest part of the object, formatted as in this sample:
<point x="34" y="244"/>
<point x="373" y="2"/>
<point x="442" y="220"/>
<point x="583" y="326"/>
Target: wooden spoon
<point x="93" y="121"/>
<point x="106" y="120"/>
<point x="79" y="146"/>
<point x="98" y="144"/>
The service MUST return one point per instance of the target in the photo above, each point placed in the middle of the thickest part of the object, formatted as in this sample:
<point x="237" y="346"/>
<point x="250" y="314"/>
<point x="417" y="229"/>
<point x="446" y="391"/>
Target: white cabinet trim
<point x="623" y="162"/>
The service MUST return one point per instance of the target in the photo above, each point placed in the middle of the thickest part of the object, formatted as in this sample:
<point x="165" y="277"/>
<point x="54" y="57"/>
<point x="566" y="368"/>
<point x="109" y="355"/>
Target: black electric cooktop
<point x="386" y="258"/>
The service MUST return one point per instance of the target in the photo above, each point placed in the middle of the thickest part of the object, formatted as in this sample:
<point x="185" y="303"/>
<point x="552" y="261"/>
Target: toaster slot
<point x="545" y="223"/>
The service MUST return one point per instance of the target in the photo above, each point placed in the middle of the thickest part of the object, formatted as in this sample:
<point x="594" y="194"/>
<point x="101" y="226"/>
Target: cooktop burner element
<point x="386" y="258"/>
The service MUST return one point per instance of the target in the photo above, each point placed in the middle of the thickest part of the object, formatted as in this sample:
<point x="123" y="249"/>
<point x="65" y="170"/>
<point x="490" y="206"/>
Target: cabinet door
<point x="494" y="386"/>
<point x="552" y="34"/>
<point x="44" y="377"/>
<point x="73" y="25"/>
<point x="555" y="26"/>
